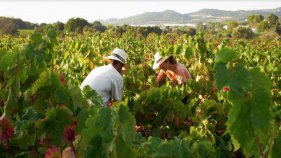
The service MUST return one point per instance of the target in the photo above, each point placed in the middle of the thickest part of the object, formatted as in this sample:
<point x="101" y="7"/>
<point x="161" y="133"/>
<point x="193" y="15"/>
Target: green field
<point x="25" y="32"/>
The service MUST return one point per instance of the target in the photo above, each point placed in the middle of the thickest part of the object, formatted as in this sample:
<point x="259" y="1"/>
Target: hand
<point x="110" y="104"/>
<point x="138" y="128"/>
<point x="68" y="153"/>
<point x="123" y="72"/>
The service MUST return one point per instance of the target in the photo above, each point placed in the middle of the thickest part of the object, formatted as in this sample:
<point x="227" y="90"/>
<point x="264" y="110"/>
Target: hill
<point x="204" y="15"/>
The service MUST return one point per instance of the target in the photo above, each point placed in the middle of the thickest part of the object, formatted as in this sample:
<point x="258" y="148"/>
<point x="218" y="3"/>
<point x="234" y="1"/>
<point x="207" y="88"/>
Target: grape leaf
<point x="239" y="80"/>
<point x="250" y="118"/>
<point x="275" y="151"/>
<point x="8" y="60"/>
<point x="121" y="149"/>
<point x="188" y="53"/>
<point x="127" y="125"/>
<point x="12" y="100"/>
<point x="54" y="123"/>
<point x="94" y="148"/>
<point x="225" y="55"/>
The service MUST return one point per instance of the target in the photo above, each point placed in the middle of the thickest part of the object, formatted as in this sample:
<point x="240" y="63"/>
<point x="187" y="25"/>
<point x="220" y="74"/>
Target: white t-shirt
<point x="106" y="81"/>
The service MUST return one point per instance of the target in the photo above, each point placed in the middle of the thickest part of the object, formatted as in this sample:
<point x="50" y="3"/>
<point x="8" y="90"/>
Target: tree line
<point x="233" y="28"/>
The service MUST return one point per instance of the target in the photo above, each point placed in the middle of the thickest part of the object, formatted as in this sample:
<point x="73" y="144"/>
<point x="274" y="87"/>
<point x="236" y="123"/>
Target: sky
<point x="41" y="11"/>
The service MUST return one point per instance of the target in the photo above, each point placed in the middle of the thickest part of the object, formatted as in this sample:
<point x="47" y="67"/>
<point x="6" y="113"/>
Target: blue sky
<point x="52" y="11"/>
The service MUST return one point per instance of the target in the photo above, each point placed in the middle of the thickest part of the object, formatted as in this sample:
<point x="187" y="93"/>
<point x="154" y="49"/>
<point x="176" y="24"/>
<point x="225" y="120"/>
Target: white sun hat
<point x="117" y="54"/>
<point x="158" y="60"/>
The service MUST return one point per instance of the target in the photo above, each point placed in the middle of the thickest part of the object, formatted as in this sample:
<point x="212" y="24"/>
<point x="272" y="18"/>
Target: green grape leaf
<point x="202" y="149"/>
<point x="8" y="60"/>
<point x="23" y="75"/>
<point x="44" y="80"/>
<point x="94" y="148"/>
<point x="239" y="80"/>
<point x="225" y="55"/>
<point x="127" y="125"/>
<point x="106" y="122"/>
<point x="61" y="95"/>
<point x="54" y="123"/>
<point x="177" y="49"/>
<point x="2" y="53"/>
<point x="275" y="151"/>
<point x="30" y="114"/>
<point x="169" y="149"/>
<point x="92" y="96"/>
<point x="24" y="133"/>
<point x="52" y="35"/>
<point x="100" y="122"/>
<point x="222" y="75"/>
<point x="36" y="38"/>
<point x="76" y="95"/>
<point x="250" y="117"/>
<point x="151" y="145"/>
<point x="121" y="149"/>
<point x="240" y="127"/>
<point x="81" y="118"/>
<point x="12" y="100"/>
<point x="261" y="114"/>
<point x="188" y="52"/>
<point x="185" y="148"/>
<point x="88" y="133"/>
<point x="24" y="140"/>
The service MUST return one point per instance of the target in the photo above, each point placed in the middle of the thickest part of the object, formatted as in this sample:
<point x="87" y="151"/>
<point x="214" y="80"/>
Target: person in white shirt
<point x="107" y="80"/>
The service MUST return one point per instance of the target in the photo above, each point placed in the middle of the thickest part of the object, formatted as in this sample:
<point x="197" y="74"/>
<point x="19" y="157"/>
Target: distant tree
<point x="87" y="29"/>
<point x="218" y="26"/>
<point x="23" y="24"/>
<point x="19" y="24"/>
<point x="268" y="35"/>
<point x="210" y="26"/>
<point x="167" y="29"/>
<point x="200" y="27"/>
<point x="172" y="38"/>
<point x="272" y="20"/>
<point x="119" y="30"/>
<point x="76" y="25"/>
<point x="144" y="31"/>
<point x="254" y="20"/>
<point x="59" y="26"/>
<point x="190" y="31"/>
<point x="213" y="27"/>
<point x="231" y="25"/>
<point x="10" y="29"/>
<point x="7" y="27"/>
<point x="243" y="32"/>
<point x="278" y="29"/>
<point x="97" y="26"/>
<point x="44" y="28"/>
<point x="263" y="26"/>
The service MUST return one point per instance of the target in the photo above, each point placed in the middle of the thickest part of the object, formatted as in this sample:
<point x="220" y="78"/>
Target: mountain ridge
<point x="203" y="15"/>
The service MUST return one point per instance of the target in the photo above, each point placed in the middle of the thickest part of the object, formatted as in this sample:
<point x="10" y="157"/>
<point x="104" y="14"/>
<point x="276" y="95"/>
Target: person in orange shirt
<point x="176" y="72"/>
<point x="171" y="69"/>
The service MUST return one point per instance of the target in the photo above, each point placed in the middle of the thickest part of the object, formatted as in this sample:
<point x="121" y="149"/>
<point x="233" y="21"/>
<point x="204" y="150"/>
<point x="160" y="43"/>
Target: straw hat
<point x="117" y="54"/>
<point x="158" y="60"/>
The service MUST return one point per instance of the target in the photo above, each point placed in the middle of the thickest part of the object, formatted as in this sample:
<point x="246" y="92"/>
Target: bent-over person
<point x="107" y="80"/>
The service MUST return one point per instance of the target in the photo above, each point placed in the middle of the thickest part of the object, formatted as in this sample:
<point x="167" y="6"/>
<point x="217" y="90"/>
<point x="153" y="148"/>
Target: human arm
<point x="110" y="103"/>
<point x="116" y="91"/>
<point x="160" y="77"/>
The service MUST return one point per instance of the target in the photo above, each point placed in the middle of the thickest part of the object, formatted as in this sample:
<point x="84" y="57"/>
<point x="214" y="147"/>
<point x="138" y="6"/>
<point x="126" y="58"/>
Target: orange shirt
<point x="179" y="76"/>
